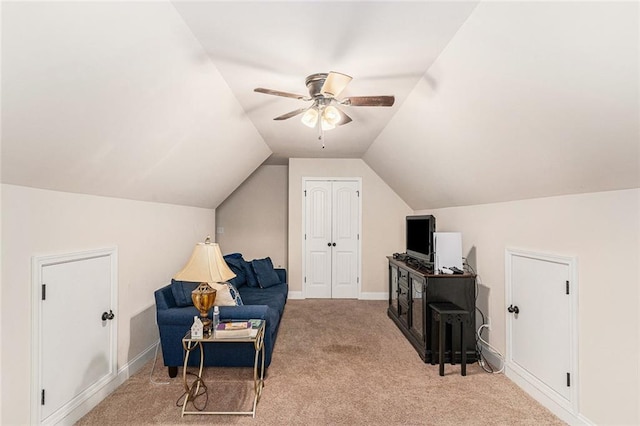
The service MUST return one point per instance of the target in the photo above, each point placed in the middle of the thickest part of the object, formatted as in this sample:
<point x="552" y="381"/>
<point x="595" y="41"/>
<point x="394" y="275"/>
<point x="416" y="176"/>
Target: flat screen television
<point x="420" y="231"/>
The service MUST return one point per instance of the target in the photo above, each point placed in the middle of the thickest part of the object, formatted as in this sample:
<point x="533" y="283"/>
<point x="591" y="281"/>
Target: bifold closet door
<point x="331" y="239"/>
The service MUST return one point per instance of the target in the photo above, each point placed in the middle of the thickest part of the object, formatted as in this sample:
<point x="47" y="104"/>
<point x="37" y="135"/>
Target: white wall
<point x="1" y="291"/>
<point x="383" y="215"/>
<point x="154" y="240"/>
<point x="254" y="217"/>
<point x="603" y="231"/>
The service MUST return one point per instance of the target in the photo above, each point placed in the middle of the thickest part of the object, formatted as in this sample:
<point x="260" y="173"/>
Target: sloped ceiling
<point x="529" y="99"/>
<point x="154" y="101"/>
<point x="118" y="99"/>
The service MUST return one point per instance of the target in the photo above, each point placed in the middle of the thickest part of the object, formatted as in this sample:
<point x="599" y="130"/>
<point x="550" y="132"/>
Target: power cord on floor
<point x="483" y="360"/>
<point x="153" y="367"/>
<point x="191" y="393"/>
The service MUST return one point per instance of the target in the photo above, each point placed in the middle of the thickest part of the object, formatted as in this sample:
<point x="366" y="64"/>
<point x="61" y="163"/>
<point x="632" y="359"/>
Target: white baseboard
<point x="374" y="295"/>
<point x="363" y="296"/>
<point x="90" y="399"/>
<point x="295" y="295"/>
<point x="564" y="413"/>
<point x="525" y="384"/>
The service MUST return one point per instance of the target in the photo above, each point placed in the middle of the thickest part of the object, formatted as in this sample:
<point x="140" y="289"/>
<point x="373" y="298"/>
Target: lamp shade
<point x="206" y="265"/>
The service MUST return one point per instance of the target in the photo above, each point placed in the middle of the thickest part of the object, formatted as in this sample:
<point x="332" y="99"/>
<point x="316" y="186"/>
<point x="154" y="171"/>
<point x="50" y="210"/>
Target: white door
<point x="541" y="338"/>
<point x="345" y="238"/>
<point x="76" y="346"/>
<point x="332" y="232"/>
<point x="317" y="281"/>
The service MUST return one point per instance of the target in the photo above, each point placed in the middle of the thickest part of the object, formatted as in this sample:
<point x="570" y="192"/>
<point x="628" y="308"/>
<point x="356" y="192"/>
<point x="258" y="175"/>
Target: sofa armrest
<point x="282" y="273"/>
<point x="164" y="298"/>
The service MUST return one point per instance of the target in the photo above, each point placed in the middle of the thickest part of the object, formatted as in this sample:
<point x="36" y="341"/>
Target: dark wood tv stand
<point x="411" y="290"/>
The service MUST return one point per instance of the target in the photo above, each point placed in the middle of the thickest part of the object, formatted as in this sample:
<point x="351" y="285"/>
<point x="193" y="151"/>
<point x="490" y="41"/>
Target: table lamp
<point x="206" y="265"/>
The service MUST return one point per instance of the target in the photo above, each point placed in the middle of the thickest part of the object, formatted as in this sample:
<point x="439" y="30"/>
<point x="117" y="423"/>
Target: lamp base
<point x="203" y="299"/>
<point x="206" y="326"/>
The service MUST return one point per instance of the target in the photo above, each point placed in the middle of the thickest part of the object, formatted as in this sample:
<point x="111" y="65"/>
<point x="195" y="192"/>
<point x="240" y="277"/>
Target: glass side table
<point x="193" y="390"/>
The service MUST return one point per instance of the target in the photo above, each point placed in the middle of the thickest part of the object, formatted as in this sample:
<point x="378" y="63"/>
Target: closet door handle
<point x="334" y="244"/>
<point x="108" y="315"/>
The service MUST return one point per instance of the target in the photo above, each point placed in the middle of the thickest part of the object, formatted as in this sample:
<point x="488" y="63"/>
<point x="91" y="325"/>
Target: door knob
<point x="328" y="244"/>
<point x="513" y="309"/>
<point x="334" y="244"/>
<point x="108" y="315"/>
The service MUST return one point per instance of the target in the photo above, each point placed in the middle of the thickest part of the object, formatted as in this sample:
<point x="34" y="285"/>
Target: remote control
<point x="456" y="270"/>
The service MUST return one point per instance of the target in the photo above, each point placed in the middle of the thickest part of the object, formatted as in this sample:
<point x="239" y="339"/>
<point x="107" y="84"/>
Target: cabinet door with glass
<point x="404" y="296"/>
<point x="393" y="289"/>
<point x="418" y="323"/>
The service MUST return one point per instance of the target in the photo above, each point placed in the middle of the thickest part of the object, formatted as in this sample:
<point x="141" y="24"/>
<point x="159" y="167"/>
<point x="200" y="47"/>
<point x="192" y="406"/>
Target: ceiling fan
<point x="324" y="89"/>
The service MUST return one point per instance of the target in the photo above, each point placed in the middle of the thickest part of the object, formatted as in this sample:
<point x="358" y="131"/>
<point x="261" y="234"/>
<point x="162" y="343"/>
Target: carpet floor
<point x="336" y="362"/>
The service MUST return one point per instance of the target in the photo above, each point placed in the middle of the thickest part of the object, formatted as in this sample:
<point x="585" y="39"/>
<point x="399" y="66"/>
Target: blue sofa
<point x="266" y="303"/>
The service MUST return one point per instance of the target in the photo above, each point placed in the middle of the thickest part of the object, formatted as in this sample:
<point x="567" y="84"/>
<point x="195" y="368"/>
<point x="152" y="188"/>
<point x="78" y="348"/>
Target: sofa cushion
<point x="236" y="264"/>
<point x="265" y="273"/>
<point x="275" y="297"/>
<point x="182" y="292"/>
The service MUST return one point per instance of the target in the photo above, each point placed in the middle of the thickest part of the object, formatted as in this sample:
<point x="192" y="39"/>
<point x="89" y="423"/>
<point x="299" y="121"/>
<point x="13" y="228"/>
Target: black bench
<point x="444" y="313"/>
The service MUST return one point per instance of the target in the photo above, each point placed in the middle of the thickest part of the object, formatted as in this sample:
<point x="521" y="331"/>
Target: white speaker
<point x="448" y="250"/>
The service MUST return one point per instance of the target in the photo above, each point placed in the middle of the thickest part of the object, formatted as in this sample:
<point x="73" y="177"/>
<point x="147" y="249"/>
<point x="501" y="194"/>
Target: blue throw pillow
<point x="234" y="294"/>
<point x="252" y="279"/>
<point x="236" y="264"/>
<point x="266" y="275"/>
<point x="182" y="292"/>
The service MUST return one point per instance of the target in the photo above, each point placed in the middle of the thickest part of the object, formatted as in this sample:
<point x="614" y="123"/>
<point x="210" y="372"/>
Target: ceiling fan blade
<point x="291" y="114"/>
<point x="335" y="84"/>
<point x="385" y="101"/>
<point x="280" y="93"/>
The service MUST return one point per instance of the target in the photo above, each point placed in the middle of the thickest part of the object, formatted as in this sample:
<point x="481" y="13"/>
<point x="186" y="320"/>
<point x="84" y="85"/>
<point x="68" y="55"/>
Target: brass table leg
<point x="190" y="392"/>
<point x="258" y="382"/>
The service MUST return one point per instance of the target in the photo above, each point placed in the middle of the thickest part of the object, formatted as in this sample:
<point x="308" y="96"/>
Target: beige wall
<point x="154" y="240"/>
<point x="254" y="217"/>
<point x="383" y="215"/>
<point x="602" y="231"/>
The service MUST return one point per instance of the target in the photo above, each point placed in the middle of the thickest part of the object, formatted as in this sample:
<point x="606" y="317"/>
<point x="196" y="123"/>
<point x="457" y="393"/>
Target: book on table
<point x="237" y="329"/>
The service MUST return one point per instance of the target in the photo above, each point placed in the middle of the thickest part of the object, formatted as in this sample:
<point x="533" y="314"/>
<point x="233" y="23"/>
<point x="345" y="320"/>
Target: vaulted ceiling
<point x="495" y="101"/>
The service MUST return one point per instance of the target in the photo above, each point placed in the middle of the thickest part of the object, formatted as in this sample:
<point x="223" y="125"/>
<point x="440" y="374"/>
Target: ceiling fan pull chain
<point x="320" y="130"/>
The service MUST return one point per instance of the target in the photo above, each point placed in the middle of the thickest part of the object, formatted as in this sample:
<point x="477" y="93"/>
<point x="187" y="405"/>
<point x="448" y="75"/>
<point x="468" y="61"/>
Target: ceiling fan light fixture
<point x="335" y="83"/>
<point x="324" y="89"/>
<point x="327" y="126"/>
<point x="331" y="115"/>
<point x="310" y="117"/>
